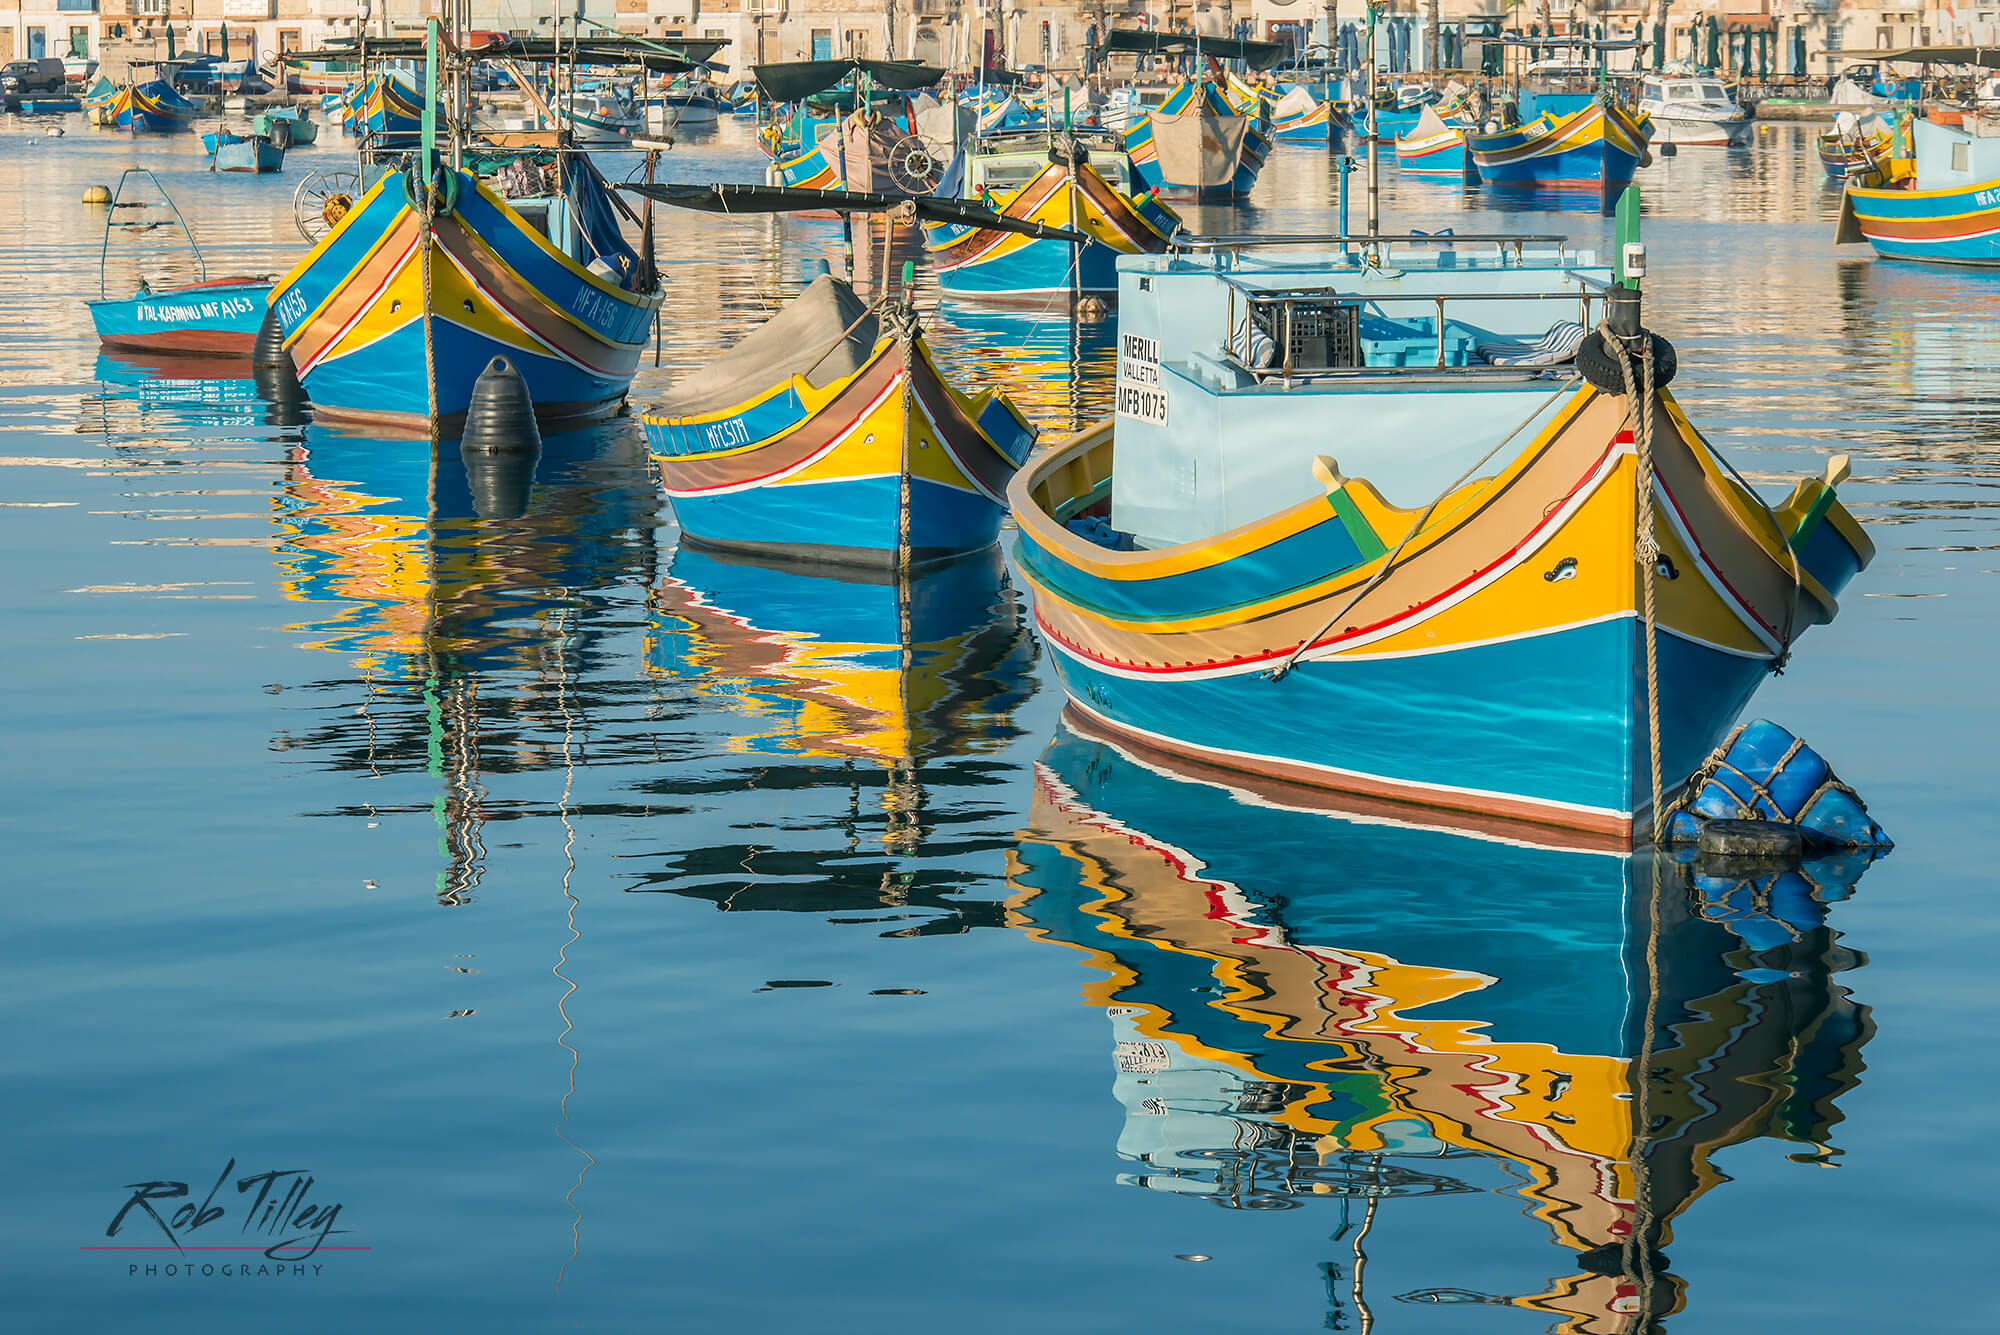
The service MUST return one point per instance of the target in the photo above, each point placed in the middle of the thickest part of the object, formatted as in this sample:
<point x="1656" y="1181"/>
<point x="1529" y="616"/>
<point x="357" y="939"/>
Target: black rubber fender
<point x="1600" y="367"/>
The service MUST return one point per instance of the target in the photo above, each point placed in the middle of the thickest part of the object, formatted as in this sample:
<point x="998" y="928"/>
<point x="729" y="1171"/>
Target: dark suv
<point x="30" y="79"/>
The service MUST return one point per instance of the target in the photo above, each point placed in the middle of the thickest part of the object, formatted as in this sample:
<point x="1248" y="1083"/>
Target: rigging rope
<point x="1278" y="673"/>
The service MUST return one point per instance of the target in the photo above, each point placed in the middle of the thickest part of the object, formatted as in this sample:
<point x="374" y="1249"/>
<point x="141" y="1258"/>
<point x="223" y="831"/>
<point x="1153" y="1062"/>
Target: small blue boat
<point x="213" y="317"/>
<point x="249" y="155"/>
<point x="215" y="139"/>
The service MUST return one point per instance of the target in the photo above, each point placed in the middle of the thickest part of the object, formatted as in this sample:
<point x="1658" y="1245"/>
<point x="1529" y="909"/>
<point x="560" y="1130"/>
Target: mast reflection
<point x="435" y="581"/>
<point x="1311" y="1004"/>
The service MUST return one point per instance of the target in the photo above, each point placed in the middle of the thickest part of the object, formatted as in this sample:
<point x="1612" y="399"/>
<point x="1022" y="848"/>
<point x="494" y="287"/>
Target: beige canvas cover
<point x="1428" y="124"/>
<point x="1199" y="149"/>
<point x="805" y="339"/>
<point x="1295" y="103"/>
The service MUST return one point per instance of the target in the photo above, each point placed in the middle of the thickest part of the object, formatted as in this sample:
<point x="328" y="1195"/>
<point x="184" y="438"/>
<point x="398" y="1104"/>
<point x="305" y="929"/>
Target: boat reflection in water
<point x="1308" y="1004"/>
<point x="882" y="689"/>
<point x="1058" y="364"/>
<point x="466" y="595"/>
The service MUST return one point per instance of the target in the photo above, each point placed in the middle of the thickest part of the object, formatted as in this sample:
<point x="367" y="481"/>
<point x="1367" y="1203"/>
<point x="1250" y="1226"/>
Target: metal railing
<point x="1588" y="290"/>
<point x="1370" y="244"/>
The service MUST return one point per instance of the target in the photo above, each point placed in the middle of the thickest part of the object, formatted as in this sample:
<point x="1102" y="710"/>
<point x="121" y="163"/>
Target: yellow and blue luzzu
<point x="1938" y="202"/>
<point x="1070" y="179"/>
<point x="1599" y="144"/>
<point x="827" y="436"/>
<point x="1432" y="147"/>
<point x="1199" y="146"/>
<point x="1465" y="628"/>
<point x="162" y="106"/>
<point x="387" y="110"/>
<point x="1300" y="118"/>
<point x="1431" y="1008"/>
<point x="547" y="283"/>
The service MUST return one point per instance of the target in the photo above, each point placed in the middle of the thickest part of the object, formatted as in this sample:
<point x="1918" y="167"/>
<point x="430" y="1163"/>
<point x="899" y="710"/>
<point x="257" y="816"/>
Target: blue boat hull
<point x="852" y="514"/>
<point x="216" y="319"/>
<point x="1557" y="718"/>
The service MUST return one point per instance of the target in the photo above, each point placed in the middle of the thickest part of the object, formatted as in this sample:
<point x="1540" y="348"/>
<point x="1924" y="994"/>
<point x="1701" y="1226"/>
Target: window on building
<point x="857" y="42"/>
<point x="288" y="39"/>
<point x="711" y="32"/>
<point x="822" y="44"/>
<point x="79" y="42"/>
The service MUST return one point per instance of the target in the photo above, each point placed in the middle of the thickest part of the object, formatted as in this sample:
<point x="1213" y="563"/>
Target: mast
<point x="1374" y="138"/>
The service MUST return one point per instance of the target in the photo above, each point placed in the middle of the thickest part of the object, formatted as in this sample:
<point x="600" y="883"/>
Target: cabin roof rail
<point x="1239" y="241"/>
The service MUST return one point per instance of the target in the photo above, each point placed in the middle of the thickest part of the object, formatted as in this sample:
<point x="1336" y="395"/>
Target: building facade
<point x="961" y="34"/>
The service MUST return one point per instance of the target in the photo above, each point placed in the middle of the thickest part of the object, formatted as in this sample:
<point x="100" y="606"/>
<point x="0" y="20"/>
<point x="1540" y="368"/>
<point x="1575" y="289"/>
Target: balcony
<point x="76" y="6"/>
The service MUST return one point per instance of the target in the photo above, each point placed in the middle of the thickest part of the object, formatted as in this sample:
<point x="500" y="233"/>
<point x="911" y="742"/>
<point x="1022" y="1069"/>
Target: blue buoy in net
<point x="500" y="419"/>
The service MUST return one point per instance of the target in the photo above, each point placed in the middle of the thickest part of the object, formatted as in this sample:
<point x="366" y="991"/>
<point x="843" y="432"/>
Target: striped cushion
<point x="1554" y="348"/>
<point x="1252" y="346"/>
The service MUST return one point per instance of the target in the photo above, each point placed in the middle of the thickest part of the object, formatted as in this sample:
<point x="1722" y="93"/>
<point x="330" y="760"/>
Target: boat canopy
<point x="796" y="80"/>
<point x="672" y="57"/>
<point x="1986" y="57"/>
<point x="1257" y="55"/>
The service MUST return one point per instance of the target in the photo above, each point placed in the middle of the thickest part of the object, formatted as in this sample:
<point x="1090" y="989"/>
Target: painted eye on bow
<point x="1564" y="569"/>
<point x="1665" y="565"/>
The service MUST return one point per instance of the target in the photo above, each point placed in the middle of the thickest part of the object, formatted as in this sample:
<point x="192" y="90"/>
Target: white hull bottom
<point x="1701" y="134"/>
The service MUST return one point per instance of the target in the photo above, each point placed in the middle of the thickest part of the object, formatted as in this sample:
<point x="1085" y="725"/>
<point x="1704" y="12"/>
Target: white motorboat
<point x="697" y="105"/>
<point x="1693" y="113"/>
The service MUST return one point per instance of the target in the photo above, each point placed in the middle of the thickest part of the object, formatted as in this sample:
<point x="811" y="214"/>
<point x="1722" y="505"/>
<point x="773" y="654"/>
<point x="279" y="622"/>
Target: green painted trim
<point x="1366" y="541"/>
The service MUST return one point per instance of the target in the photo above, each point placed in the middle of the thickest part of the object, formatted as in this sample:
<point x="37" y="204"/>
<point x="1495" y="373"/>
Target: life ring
<point x="448" y="181"/>
<point x="1600" y="367"/>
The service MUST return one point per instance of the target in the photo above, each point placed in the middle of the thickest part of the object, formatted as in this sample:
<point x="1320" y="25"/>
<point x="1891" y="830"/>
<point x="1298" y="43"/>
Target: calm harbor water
<point x="629" y="939"/>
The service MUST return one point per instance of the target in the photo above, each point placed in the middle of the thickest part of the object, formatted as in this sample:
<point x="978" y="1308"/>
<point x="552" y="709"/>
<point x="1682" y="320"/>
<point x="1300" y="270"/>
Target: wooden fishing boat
<point x="1461" y="629"/>
<point x="1854" y="144"/>
<point x="285" y="127"/>
<point x="249" y="155"/>
<point x="1934" y="197"/>
<point x="388" y="111"/>
<point x="1067" y="179"/>
<point x="162" y="106"/>
<point x="328" y="77"/>
<point x="849" y="126"/>
<point x="548" y="283"/>
<point x="1300" y="118"/>
<point x="1196" y="146"/>
<point x="100" y="101"/>
<point x="1431" y="147"/>
<point x="1600" y="144"/>
<point x="212" y="317"/>
<point x="1448" y="1012"/>
<point x="829" y="434"/>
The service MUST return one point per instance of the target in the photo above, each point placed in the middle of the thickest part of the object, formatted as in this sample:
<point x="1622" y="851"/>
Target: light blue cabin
<point x="1238" y="366"/>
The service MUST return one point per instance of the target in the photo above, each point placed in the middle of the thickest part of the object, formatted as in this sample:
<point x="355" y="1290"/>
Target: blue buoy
<point x="1765" y="793"/>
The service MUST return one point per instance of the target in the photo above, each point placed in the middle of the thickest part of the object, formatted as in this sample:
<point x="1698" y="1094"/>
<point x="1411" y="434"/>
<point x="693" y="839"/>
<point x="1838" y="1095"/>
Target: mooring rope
<point x="426" y="218"/>
<point x="1639" y="400"/>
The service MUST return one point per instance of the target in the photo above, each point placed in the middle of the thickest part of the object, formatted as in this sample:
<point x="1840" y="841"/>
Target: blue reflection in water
<point x="1312" y="1003"/>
